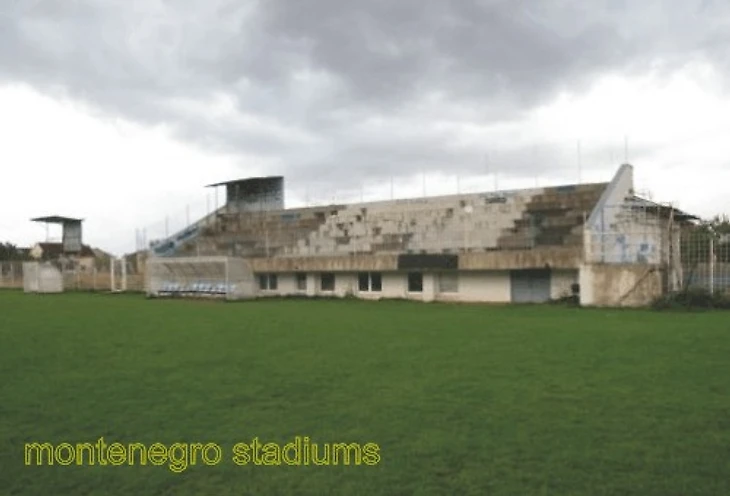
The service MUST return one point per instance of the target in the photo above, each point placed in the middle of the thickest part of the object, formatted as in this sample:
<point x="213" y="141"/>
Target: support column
<point x="429" y="286"/>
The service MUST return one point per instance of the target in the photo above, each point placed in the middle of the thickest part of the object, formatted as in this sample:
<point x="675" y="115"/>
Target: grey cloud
<point x="310" y="73"/>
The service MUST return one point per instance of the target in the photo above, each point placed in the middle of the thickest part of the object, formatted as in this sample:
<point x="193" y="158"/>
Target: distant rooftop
<point x="55" y="250"/>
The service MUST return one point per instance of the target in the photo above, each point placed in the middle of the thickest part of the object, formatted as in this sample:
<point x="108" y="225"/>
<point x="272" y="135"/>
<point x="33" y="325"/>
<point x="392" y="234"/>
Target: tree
<point x="9" y="251"/>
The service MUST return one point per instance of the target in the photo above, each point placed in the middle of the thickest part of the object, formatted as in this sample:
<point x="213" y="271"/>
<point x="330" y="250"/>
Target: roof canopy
<point x="246" y="180"/>
<point x="57" y="219"/>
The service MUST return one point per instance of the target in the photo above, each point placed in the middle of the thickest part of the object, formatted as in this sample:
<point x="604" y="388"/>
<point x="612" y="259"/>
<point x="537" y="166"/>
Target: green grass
<point x="460" y="399"/>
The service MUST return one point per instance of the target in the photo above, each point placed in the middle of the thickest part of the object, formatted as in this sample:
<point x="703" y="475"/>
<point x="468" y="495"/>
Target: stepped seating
<point x="259" y="234"/>
<point x="554" y="217"/>
<point x="424" y="225"/>
<point x="508" y="220"/>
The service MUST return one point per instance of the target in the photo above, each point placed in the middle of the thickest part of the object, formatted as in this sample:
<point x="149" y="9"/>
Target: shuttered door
<point x="530" y="286"/>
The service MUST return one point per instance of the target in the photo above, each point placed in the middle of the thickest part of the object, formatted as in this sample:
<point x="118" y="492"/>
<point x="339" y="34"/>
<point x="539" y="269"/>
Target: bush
<point x="692" y="299"/>
<point x="572" y="300"/>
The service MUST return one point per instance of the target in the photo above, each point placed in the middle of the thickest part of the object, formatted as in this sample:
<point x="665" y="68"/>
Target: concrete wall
<point x="603" y="216"/>
<point x="347" y="263"/>
<point x="633" y="237"/>
<point x="563" y="257"/>
<point x="620" y="187"/>
<point x="561" y="281"/>
<point x="286" y="286"/>
<point x="619" y="284"/>
<point x="473" y="286"/>
<point x="482" y="286"/>
<point x="486" y="286"/>
<point x="558" y="257"/>
<point x="39" y="277"/>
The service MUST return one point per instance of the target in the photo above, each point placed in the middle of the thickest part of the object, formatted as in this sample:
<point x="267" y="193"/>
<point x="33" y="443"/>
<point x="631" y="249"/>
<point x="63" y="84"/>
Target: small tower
<point x="72" y="234"/>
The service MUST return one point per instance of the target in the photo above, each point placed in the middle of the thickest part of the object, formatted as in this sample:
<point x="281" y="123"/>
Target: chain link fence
<point x="705" y="260"/>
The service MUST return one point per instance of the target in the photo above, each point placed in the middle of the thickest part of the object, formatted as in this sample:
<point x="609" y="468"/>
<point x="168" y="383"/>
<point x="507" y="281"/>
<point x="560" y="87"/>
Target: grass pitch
<point x="459" y="399"/>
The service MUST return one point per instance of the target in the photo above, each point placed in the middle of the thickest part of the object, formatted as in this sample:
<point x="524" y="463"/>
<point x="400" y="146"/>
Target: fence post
<point x="712" y="264"/>
<point x="124" y="273"/>
<point x="112" y="263"/>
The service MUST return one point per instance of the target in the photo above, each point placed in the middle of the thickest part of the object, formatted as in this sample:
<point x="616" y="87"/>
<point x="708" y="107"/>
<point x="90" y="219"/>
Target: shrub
<point x="692" y="299"/>
<point x="571" y="300"/>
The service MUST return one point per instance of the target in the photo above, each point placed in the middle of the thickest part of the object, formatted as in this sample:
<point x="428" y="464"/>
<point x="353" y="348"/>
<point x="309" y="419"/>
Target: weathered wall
<point x="563" y="257"/>
<point x="538" y="258"/>
<point x="615" y="285"/>
<point x="472" y="286"/>
<point x="484" y="286"/>
<point x="620" y="187"/>
<point x="561" y="282"/>
<point x="326" y="264"/>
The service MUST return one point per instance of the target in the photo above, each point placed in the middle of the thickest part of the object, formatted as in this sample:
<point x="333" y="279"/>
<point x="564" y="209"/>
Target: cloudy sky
<point x="121" y="111"/>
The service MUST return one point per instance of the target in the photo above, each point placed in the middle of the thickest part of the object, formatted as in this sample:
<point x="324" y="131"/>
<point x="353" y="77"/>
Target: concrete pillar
<point x="312" y="284"/>
<point x="429" y="286"/>
<point x="585" y="280"/>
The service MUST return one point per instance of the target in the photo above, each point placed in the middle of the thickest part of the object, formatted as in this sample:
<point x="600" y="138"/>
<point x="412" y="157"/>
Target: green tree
<point x="9" y="251"/>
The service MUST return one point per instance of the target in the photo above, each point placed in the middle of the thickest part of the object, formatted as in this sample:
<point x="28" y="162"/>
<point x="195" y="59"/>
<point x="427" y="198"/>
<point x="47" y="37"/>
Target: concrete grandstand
<point x="599" y="242"/>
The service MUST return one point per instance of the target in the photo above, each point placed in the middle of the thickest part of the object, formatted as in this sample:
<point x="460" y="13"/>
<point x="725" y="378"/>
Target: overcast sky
<point x="121" y="111"/>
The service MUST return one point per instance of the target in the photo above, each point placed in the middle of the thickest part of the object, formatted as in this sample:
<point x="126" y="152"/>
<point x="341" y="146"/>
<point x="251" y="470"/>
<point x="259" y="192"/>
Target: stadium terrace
<point x="600" y="244"/>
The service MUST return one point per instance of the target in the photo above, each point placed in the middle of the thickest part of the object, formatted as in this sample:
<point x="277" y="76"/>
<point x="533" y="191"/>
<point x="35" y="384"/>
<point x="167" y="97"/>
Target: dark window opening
<point x="327" y="281"/>
<point x="363" y="281"/>
<point x="415" y="282"/>
<point x="370" y="282"/>
<point x="376" y="282"/>
<point x="268" y="282"/>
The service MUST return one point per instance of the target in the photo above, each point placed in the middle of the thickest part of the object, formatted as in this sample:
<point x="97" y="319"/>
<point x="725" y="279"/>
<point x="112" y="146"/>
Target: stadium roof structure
<point x="57" y="219"/>
<point x="244" y="180"/>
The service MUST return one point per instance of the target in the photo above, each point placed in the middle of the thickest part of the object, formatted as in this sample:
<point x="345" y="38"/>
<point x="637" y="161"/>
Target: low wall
<point x="619" y="285"/>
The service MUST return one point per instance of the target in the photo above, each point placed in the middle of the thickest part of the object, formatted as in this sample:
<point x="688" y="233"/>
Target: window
<point x="363" y="281"/>
<point x="449" y="282"/>
<point x="268" y="282"/>
<point x="415" y="282"/>
<point x="301" y="282"/>
<point x="376" y="282"/>
<point x="327" y="281"/>
<point x="370" y="281"/>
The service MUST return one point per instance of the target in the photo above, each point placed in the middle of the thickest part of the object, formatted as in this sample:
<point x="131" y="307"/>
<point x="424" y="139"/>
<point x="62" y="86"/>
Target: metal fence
<point x="11" y="274"/>
<point x="705" y="260"/>
<point x="123" y="274"/>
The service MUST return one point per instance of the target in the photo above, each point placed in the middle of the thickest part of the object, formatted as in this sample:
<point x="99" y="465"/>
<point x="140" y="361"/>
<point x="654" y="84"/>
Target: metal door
<point x="530" y="286"/>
